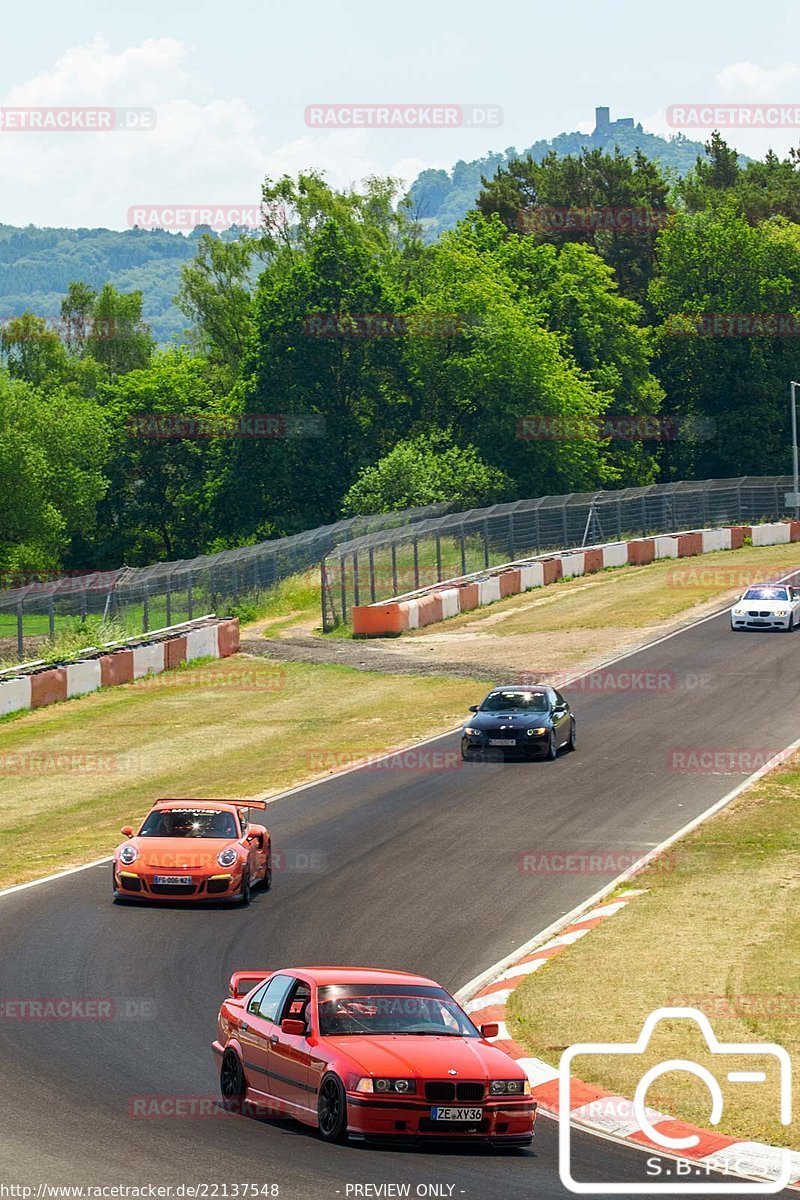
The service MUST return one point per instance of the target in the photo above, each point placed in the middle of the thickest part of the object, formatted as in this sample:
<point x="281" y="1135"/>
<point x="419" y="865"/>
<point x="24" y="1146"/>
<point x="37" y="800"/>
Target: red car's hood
<point x="426" y="1057"/>
<point x="187" y="853"/>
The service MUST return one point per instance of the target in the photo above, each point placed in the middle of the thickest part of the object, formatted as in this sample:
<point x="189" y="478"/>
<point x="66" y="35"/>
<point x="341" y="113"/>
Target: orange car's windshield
<point x="189" y="823"/>
<point x="391" y="1009"/>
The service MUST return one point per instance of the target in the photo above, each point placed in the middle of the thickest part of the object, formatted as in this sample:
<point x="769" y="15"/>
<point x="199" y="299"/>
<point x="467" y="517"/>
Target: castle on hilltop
<point x="604" y="127"/>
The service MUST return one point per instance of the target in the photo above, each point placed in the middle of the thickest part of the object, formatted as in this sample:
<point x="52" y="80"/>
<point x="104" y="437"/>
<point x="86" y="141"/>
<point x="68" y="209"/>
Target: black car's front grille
<point x="442" y="1092"/>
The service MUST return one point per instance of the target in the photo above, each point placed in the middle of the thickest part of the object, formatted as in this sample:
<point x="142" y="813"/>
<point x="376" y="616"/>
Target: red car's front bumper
<point x="503" y="1122"/>
<point x="132" y="884"/>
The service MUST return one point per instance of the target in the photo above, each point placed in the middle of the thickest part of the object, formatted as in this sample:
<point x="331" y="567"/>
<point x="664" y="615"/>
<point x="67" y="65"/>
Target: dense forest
<point x="589" y="323"/>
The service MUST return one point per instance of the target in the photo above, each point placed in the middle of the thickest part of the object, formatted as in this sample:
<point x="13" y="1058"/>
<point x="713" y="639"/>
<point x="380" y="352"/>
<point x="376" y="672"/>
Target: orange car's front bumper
<point x="132" y="884"/>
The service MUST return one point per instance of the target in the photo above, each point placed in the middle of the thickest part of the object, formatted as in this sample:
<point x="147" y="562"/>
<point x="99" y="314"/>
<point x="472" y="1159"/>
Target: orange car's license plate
<point x="172" y="879"/>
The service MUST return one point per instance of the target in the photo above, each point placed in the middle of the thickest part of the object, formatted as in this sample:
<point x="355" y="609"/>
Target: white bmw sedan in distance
<point x="767" y="606"/>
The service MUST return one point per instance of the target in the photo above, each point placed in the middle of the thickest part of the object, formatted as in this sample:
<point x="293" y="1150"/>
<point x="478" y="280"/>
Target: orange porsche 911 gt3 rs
<point x="368" y="1054"/>
<point x="194" y="850"/>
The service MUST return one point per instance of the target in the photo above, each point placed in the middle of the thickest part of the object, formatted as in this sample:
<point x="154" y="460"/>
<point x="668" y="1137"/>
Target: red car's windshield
<point x="391" y="1009"/>
<point x="189" y="823"/>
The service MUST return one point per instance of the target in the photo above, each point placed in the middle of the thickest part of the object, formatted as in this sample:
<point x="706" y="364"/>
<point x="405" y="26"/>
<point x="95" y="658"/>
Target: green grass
<point x="73" y="773"/>
<point x="716" y="930"/>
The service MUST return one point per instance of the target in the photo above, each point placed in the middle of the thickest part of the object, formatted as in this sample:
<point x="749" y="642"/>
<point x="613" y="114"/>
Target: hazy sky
<point x="230" y="84"/>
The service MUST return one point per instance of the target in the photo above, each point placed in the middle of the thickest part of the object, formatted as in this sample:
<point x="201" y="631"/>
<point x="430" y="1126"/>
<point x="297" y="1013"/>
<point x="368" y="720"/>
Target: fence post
<point x="356" y="588"/>
<point x="564" y="526"/>
<point x="511" y="545"/>
<point x="438" y="556"/>
<point x="644" y="517"/>
<point x="371" y="575"/>
<point x="145" y="613"/>
<point x="463" y="541"/>
<point x="619" y="517"/>
<point x="168" y="597"/>
<point x="343" y="587"/>
<point x="394" y="569"/>
<point x="189" y="597"/>
<point x="20" y="642"/>
<point x="84" y="608"/>
<point x="416" y="563"/>
<point x="486" y="545"/>
<point x="235" y="570"/>
<point x="51" y="617"/>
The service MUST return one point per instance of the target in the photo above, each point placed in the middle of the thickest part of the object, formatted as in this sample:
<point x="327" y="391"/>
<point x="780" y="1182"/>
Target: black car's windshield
<point x="391" y="1009"/>
<point x="516" y="702"/>
<point x="766" y="593"/>
<point x="189" y="823"/>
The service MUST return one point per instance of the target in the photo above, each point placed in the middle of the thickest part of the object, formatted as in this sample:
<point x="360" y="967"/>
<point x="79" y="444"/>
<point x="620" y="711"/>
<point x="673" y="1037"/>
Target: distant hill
<point x="37" y="265"/>
<point x="439" y="199"/>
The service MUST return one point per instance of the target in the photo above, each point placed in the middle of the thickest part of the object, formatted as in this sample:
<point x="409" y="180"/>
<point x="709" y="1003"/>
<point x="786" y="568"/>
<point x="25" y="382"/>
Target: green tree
<point x="427" y="469"/>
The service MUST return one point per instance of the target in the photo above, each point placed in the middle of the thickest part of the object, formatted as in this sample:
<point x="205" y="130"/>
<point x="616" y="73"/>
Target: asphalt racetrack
<point x="411" y="867"/>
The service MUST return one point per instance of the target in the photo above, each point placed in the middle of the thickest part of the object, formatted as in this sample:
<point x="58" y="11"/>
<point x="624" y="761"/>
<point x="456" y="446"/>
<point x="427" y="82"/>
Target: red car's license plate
<point x="172" y="879"/>
<point x="457" y="1114"/>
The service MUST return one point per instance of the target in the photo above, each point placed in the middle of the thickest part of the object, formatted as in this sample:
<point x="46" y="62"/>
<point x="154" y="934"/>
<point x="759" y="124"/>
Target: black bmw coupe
<point x="533" y="722"/>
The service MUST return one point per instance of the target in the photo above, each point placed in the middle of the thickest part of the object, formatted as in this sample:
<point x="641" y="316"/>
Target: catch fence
<point x="392" y="562"/>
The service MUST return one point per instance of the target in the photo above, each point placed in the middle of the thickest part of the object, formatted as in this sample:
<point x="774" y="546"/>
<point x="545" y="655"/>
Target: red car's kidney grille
<point x="442" y="1092"/>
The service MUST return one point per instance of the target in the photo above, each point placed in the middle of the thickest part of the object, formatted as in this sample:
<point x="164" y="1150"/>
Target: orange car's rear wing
<point x="211" y="800"/>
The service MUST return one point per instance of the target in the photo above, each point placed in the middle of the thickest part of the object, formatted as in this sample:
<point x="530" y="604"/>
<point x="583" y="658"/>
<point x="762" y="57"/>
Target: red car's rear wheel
<point x="332" y="1110"/>
<point x="232" y="1083"/>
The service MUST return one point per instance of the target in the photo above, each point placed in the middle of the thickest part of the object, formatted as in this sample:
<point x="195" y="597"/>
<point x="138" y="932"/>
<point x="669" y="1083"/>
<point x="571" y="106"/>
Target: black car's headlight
<point x="538" y="731"/>
<point x="470" y="731"/>
<point x="510" y="1087"/>
<point x="382" y="1086"/>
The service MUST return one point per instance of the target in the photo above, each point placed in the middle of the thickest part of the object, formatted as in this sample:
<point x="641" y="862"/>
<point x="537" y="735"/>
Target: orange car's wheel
<point x="244" y="898"/>
<point x="232" y="1083"/>
<point x="332" y="1110"/>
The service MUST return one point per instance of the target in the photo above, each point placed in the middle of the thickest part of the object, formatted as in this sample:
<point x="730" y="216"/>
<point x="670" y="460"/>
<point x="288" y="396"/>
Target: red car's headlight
<point x="382" y="1086"/>
<point x="226" y="858"/>
<point x="128" y="855"/>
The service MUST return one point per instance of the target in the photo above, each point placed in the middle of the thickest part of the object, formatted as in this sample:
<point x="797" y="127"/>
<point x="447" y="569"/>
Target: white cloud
<point x="201" y="151"/>
<point x="748" y="81"/>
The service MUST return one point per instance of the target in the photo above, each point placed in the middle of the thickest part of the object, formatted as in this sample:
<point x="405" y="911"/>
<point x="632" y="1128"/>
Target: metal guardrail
<point x="164" y="593"/>
<point x="388" y="563"/>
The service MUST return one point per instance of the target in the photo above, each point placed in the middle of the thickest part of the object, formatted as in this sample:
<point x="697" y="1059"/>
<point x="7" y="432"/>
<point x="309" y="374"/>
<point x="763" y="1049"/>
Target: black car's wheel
<point x="573" y="737"/>
<point x="552" y="746"/>
<point x="232" y="1083"/>
<point x="332" y="1110"/>
<point x="267" y="880"/>
<point x="244" y="899"/>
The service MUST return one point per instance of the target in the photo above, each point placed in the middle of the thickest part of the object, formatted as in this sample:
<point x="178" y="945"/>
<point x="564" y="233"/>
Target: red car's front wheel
<point x="332" y="1110"/>
<point x="232" y="1083"/>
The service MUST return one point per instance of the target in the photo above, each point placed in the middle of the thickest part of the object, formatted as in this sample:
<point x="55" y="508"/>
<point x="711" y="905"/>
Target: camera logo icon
<point x="673" y="1146"/>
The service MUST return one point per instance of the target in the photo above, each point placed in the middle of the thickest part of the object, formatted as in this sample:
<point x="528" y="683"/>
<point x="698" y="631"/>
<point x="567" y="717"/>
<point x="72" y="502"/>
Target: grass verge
<point x="717" y="930"/>
<point x="73" y="773"/>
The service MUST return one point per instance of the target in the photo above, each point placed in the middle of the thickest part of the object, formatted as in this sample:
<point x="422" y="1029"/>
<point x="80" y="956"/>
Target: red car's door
<point x="290" y="1054"/>
<point x="257" y="1029"/>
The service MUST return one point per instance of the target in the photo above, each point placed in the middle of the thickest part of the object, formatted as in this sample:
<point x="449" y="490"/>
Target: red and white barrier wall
<point x="35" y="685"/>
<point x="430" y="605"/>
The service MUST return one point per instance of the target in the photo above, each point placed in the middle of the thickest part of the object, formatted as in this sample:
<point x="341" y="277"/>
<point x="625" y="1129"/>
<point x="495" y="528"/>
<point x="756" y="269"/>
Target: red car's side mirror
<point x="127" y="831"/>
<point x="292" y="1026"/>
<point x="491" y="1030"/>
